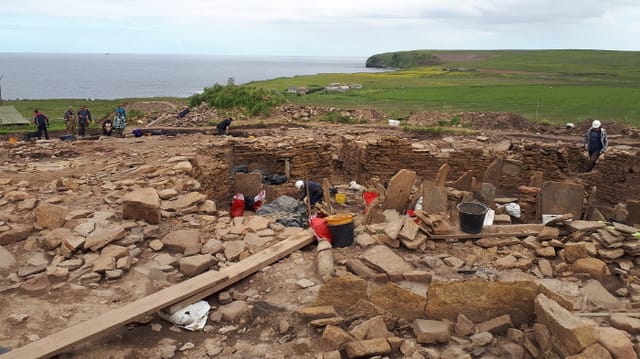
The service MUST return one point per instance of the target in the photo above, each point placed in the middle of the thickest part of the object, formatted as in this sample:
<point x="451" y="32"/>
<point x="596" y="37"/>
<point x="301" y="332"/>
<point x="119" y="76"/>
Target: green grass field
<point x="554" y="86"/>
<point x="551" y="85"/>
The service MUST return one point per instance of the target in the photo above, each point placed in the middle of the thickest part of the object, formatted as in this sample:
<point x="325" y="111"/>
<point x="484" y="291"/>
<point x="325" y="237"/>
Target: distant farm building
<point x="337" y="87"/>
<point x="355" y="86"/>
<point x="297" y="90"/>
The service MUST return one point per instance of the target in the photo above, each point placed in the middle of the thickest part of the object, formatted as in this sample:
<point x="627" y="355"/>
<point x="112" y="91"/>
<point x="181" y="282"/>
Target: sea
<point x="112" y="76"/>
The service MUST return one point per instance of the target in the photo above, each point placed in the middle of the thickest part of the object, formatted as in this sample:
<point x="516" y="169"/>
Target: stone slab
<point x="249" y="184"/>
<point x="434" y="198"/>
<point x="385" y="260"/>
<point x="562" y="198"/>
<point x="399" y="190"/>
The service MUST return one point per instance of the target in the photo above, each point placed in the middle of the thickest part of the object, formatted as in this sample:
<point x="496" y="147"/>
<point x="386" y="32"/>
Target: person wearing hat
<point x="595" y="142"/>
<point x="316" y="194"/>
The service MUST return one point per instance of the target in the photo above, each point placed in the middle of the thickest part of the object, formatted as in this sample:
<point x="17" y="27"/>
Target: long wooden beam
<point x="193" y="289"/>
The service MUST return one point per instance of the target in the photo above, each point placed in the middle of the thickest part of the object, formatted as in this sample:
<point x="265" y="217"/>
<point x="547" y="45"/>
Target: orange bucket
<point x="339" y="219"/>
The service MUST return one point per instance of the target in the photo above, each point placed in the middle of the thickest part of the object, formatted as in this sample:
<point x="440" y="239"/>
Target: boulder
<point x="569" y="334"/>
<point x="616" y="342"/>
<point x="195" y="265"/>
<point x="50" y="216"/>
<point x="182" y="240"/>
<point x="142" y="204"/>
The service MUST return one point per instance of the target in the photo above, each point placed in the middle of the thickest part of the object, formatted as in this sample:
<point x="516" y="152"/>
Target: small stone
<point x="481" y="339"/>
<point x="156" y="245"/>
<point x="283" y="326"/>
<point x="187" y="346"/>
<point x="305" y="283"/>
<point x="156" y="327"/>
<point x="431" y="331"/>
<point x="234" y="310"/>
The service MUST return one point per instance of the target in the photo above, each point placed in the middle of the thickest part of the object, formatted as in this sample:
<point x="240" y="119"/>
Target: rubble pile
<point x="115" y="220"/>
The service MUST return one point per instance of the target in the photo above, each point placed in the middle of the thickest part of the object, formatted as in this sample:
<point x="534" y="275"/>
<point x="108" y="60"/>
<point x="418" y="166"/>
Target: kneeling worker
<point x="223" y="126"/>
<point x="316" y="194"/>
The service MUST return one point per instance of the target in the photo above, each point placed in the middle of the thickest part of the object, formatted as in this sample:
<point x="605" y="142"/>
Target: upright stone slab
<point x="487" y="194"/>
<point x="443" y="172"/>
<point x="142" y="204"/>
<point x="569" y="334"/>
<point x="248" y="184"/>
<point x="633" y="207"/>
<point x="464" y="182"/>
<point x="434" y="198"/>
<point x="399" y="190"/>
<point x="562" y="198"/>
<point x="493" y="173"/>
<point x="481" y="300"/>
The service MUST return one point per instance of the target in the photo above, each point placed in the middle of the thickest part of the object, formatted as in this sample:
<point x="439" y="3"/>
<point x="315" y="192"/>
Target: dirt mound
<point x="152" y="106"/>
<point x="476" y="120"/>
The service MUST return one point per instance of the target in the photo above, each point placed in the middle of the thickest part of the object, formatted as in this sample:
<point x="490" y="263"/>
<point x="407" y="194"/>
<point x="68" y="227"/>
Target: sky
<point x="314" y="28"/>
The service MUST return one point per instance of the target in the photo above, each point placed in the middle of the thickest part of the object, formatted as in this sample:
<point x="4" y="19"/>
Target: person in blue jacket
<point x="596" y="143"/>
<point x="316" y="194"/>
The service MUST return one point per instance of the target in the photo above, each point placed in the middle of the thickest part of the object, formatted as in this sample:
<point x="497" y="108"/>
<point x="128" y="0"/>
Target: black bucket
<point x="471" y="216"/>
<point x="341" y="235"/>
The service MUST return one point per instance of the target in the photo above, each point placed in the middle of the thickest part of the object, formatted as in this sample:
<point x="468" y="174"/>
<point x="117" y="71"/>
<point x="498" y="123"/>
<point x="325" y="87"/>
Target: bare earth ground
<point x="271" y="328"/>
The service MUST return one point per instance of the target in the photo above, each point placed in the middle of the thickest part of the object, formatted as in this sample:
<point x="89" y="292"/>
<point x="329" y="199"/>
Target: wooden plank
<point x="505" y="230"/>
<point x="190" y="290"/>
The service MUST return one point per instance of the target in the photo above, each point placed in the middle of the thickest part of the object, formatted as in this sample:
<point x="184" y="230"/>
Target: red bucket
<point x="369" y="197"/>
<point x="320" y="229"/>
<point x="237" y="206"/>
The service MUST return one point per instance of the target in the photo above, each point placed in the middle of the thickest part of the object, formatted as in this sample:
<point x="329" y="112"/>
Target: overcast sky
<point x="314" y="28"/>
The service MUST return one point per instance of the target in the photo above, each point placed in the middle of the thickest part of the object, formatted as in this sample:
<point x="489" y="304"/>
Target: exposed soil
<point x="102" y="170"/>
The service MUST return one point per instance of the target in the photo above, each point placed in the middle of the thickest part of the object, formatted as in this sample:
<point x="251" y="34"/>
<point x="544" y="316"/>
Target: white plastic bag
<point x="192" y="317"/>
<point x="418" y="206"/>
<point x="512" y="209"/>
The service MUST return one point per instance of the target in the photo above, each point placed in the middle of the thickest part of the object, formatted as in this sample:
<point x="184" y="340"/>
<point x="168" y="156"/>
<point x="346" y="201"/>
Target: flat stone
<point x="249" y="184"/>
<point x="497" y="325"/>
<point x="29" y="270"/>
<point x="124" y="263"/>
<point x="431" y="331"/>
<point x="594" y="351"/>
<point x="575" y="251"/>
<point x="233" y="311"/>
<point x="616" y="342"/>
<point x="233" y="249"/>
<point x="417" y="276"/>
<point x="371" y="328"/>
<point x="212" y="246"/>
<point x="385" y="260"/>
<point x="36" y="286"/>
<point x="100" y="238"/>
<point x="318" y="312"/>
<point x="629" y="324"/>
<point x="464" y="326"/>
<point x="596" y="268"/>
<point x="104" y="263"/>
<point x="569" y="334"/>
<point x="186" y="200"/>
<point x="597" y="297"/>
<point x="256" y="223"/>
<point x="18" y="232"/>
<point x="167" y="193"/>
<point x="409" y="230"/>
<point x="195" y="265"/>
<point x="367" y="348"/>
<point x="255" y="243"/>
<point x="115" y="251"/>
<point x="334" y="338"/>
<point x="545" y="268"/>
<point x="182" y="240"/>
<point x="584" y="226"/>
<point x="7" y="259"/>
<point x="85" y="228"/>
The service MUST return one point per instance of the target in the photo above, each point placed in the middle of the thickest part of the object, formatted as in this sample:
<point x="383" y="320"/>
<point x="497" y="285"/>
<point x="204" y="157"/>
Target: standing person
<point x="42" y="122"/>
<point x="107" y="127"/>
<point x="120" y="121"/>
<point x="120" y="111"/>
<point x="224" y="125"/>
<point x="316" y="194"/>
<point x="70" y="120"/>
<point x="596" y="143"/>
<point x="84" y="117"/>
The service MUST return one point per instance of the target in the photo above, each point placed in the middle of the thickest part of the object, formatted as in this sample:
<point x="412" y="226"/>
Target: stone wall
<point x="617" y="175"/>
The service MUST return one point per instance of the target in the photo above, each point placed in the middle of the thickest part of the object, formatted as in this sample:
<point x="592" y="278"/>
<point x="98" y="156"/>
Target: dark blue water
<point x="109" y="76"/>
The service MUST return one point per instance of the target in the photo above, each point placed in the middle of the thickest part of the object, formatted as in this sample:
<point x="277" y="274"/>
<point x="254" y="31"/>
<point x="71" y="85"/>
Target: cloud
<point x="321" y="27"/>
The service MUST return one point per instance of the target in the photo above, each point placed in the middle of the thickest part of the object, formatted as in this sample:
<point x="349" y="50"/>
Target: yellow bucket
<point x="339" y="219"/>
<point x="13" y="140"/>
<point x="341" y="198"/>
